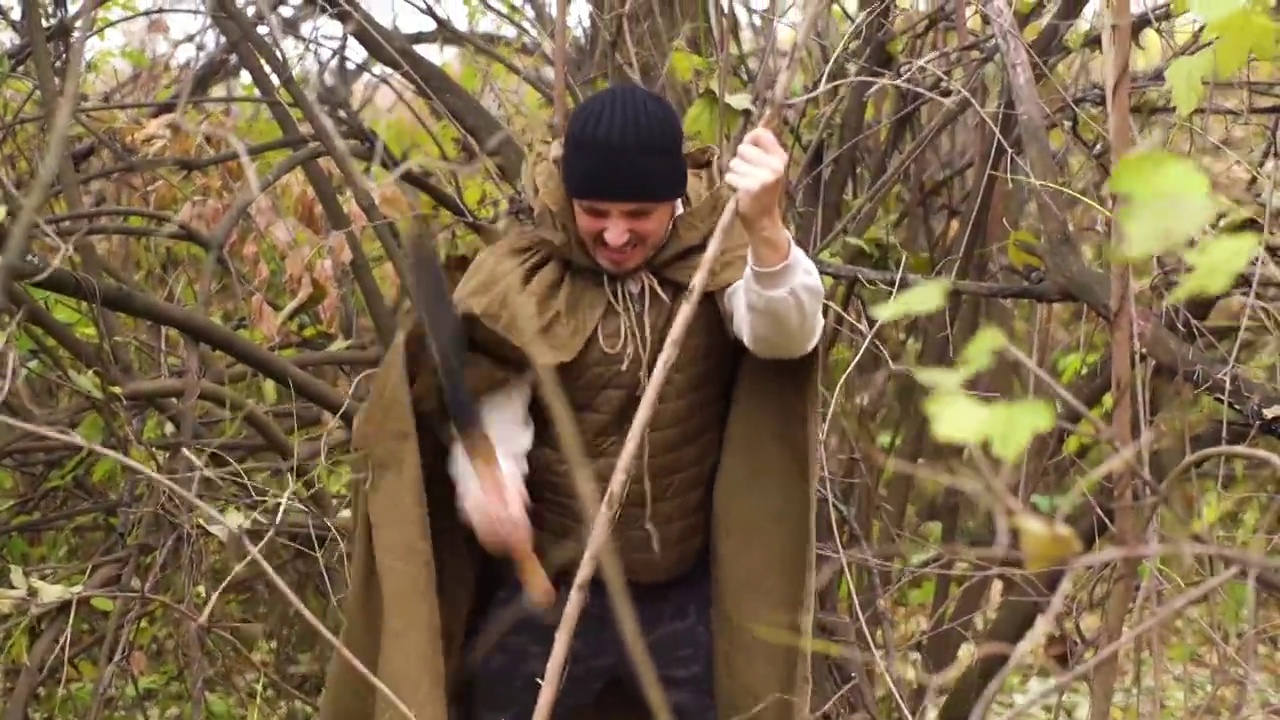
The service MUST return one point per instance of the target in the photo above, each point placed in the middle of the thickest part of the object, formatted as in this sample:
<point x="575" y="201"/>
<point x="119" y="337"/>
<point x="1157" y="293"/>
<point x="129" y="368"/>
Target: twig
<point x="16" y="242"/>
<point x="603" y="524"/>
<point x="1107" y="655"/>
<point x="234" y="534"/>
<point x="253" y="52"/>
<point x="627" y="619"/>
<point x="46" y="644"/>
<point x="561" y="89"/>
<point x="1130" y="636"/>
<point x="134" y="303"/>
<point x="1115" y="49"/>
<point x="1039" y="292"/>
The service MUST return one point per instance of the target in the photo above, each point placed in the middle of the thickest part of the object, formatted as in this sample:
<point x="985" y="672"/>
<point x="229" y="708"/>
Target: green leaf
<point x="103" y="468"/>
<point x="270" y="393"/>
<point x="1216" y="263"/>
<point x="1045" y="542"/>
<point x="92" y="428"/>
<point x="1211" y="11"/>
<point x="941" y="378"/>
<point x="957" y="418"/>
<point x="217" y="707"/>
<point x="923" y="298"/>
<point x="1184" y="79"/>
<point x="1007" y="427"/>
<point x="1043" y="503"/>
<point x="701" y="120"/>
<point x="708" y="118"/>
<point x="684" y="64"/>
<point x="1238" y="36"/>
<point x="1013" y="424"/>
<point x="739" y="101"/>
<point x="105" y="604"/>
<point x="931" y="531"/>
<point x="980" y="352"/>
<point x="17" y="578"/>
<point x="469" y="77"/>
<point x="88" y="382"/>
<point x="1239" y="30"/>
<point x="977" y="356"/>
<point x="1020" y="247"/>
<point x="1167" y="198"/>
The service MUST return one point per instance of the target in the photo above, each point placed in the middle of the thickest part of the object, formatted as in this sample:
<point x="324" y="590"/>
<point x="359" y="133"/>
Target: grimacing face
<point x="623" y="236"/>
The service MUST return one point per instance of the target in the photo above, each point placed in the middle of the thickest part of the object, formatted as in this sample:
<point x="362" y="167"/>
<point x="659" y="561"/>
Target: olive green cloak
<point x="414" y="566"/>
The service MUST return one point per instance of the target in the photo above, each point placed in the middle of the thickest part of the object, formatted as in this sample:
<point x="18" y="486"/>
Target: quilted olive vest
<point x="663" y="524"/>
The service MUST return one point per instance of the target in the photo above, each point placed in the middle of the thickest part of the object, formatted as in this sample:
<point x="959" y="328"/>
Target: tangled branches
<point x="201" y="262"/>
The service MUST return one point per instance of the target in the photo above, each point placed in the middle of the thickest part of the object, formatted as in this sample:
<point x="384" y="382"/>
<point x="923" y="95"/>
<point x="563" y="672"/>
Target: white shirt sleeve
<point x="506" y="418"/>
<point x="777" y="312"/>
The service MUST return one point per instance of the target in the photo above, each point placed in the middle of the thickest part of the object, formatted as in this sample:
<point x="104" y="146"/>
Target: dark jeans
<point x="675" y="619"/>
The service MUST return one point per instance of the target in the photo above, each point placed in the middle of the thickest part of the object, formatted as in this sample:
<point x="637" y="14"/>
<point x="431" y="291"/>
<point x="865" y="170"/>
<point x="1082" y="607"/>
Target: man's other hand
<point x="496" y="508"/>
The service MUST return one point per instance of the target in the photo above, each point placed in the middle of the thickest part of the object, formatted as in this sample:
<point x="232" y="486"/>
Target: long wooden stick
<point x="1116" y="46"/>
<point x="560" y="413"/>
<point x="615" y="491"/>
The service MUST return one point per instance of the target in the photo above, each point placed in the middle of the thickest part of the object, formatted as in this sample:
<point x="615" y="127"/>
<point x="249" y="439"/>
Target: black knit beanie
<point x="624" y="144"/>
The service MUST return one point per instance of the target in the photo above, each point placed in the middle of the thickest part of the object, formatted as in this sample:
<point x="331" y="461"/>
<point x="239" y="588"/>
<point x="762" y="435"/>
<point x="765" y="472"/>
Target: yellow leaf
<point x="1045" y="542"/>
<point x="1032" y="30"/>
<point x="973" y="20"/>
<point x="17" y="578"/>
<point x="1022" y="250"/>
<point x="155" y="129"/>
<point x="1148" y="51"/>
<point x="10" y="601"/>
<point x="47" y="593"/>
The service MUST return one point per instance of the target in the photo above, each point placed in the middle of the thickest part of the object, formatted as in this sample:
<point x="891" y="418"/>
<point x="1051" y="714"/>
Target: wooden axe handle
<point x="537" y="586"/>
<point x="446" y="342"/>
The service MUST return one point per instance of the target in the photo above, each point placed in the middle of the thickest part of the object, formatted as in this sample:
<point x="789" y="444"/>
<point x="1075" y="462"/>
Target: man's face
<point x="623" y="236"/>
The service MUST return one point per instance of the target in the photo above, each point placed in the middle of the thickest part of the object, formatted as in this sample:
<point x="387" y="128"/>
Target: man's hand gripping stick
<point x="484" y="459"/>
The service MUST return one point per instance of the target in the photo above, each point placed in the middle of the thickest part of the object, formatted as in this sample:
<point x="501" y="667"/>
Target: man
<point x="624" y="171"/>
<point x="715" y="532"/>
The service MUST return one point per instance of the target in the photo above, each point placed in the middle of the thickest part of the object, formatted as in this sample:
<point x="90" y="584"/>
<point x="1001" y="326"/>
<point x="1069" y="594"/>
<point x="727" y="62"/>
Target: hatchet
<point x="447" y="343"/>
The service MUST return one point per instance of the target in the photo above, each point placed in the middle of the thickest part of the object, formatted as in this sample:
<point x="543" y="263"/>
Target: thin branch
<point x="1041" y="293"/>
